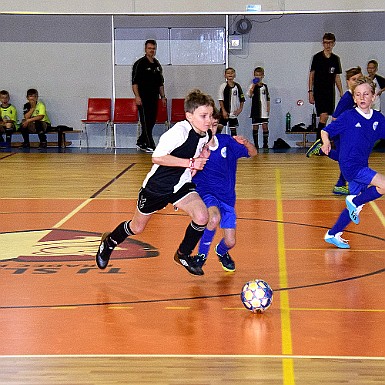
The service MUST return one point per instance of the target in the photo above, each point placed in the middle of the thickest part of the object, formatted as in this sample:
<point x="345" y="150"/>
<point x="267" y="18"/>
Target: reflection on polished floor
<point x="145" y="320"/>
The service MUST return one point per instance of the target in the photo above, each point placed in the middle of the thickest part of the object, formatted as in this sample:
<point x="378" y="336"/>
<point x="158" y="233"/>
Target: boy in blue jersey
<point x="216" y="186"/>
<point x="346" y="103"/>
<point x="358" y="130"/>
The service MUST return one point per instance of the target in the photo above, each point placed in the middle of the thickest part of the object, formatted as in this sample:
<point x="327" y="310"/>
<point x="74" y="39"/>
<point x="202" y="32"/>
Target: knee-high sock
<point x="333" y="154"/>
<point x="341" y="180"/>
<point x="222" y="249"/>
<point x="255" y="137"/>
<point x="191" y="238"/>
<point x="341" y="224"/>
<point x="319" y="128"/>
<point x="265" y="137"/>
<point x="118" y="235"/>
<point x="368" y="195"/>
<point x="205" y="242"/>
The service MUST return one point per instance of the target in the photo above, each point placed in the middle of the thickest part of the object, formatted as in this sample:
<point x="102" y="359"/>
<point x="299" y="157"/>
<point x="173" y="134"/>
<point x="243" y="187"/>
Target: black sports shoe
<point x="141" y="147"/>
<point x="104" y="252"/>
<point x="227" y="262"/>
<point x="188" y="263"/>
<point x="200" y="259"/>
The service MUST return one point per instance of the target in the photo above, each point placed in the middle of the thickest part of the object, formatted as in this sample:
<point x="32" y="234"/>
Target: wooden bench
<point x="61" y="141"/>
<point x="304" y="142"/>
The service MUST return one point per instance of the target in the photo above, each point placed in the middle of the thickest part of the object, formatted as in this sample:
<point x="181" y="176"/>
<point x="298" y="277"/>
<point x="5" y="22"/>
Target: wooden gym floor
<point x="145" y="320"/>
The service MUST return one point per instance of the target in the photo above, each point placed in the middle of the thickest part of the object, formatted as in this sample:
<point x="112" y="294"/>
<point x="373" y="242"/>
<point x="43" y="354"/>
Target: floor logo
<point x="56" y="245"/>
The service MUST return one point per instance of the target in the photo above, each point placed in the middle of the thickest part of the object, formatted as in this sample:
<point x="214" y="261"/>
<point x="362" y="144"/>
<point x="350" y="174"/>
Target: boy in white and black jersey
<point x="179" y="154"/>
<point x="260" y="106"/>
<point x="231" y="100"/>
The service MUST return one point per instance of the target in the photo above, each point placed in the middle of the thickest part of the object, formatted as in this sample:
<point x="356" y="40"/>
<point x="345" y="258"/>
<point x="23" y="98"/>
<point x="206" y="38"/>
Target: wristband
<point x="191" y="165"/>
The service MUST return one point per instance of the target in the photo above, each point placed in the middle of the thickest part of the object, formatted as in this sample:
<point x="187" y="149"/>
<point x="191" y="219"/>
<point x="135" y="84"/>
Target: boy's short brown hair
<point x="329" y="36"/>
<point x="195" y="99"/>
<point x="259" y="69"/>
<point x="353" y="71"/>
<point x="32" y="91"/>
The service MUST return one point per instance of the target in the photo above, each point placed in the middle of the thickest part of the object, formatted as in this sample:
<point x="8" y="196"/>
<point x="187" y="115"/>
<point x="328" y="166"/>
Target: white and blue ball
<point x="257" y="296"/>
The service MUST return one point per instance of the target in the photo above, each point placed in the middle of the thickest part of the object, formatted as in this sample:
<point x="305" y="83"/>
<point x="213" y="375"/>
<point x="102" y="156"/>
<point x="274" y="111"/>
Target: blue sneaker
<point x="336" y="240"/>
<point x="354" y="211"/>
<point x="226" y="261"/>
<point x="314" y="148"/>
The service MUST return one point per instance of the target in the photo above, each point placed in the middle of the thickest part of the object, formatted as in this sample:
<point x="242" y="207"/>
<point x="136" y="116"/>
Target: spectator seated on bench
<point x="8" y="121"/>
<point x="36" y="120"/>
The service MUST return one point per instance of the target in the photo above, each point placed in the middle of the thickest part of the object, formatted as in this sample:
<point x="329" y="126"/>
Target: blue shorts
<point x="228" y="216"/>
<point x="361" y="181"/>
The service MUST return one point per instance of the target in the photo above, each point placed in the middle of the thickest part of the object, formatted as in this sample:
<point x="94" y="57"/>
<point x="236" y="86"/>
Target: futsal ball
<point x="257" y="296"/>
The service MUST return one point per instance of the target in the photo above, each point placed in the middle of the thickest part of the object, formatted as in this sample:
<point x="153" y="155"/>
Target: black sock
<point x="265" y="138"/>
<point x="120" y="234"/>
<point x="319" y="128"/>
<point x="255" y="138"/>
<point x="192" y="236"/>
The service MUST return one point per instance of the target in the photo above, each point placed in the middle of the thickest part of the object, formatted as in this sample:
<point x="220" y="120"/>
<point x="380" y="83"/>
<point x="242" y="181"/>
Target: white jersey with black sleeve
<point x="181" y="141"/>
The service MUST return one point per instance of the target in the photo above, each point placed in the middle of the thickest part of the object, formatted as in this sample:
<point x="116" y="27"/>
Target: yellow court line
<point x="287" y="349"/>
<point x="378" y="213"/>
<point x="339" y="310"/>
<point x="72" y="213"/>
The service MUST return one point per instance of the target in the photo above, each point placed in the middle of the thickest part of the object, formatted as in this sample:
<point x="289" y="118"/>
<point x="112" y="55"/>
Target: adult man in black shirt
<point x="147" y="85"/>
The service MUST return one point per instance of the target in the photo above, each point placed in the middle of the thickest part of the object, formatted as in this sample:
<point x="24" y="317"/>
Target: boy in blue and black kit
<point x="346" y="103"/>
<point x="216" y="186"/>
<point x="358" y="130"/>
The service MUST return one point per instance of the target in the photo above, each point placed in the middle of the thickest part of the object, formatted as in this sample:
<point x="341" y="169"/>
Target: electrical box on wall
<point x="235" y="42"/>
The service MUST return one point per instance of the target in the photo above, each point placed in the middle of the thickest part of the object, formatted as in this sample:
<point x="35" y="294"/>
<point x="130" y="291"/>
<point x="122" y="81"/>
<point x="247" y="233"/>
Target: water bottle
<point x="288" y="122"/>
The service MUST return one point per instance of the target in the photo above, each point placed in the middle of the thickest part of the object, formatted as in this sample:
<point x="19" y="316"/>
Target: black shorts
<point x="150" y="202"/>
<point x="259" y="120"/>
<point x="324" y="102"/>
<point x="233" y="122"/>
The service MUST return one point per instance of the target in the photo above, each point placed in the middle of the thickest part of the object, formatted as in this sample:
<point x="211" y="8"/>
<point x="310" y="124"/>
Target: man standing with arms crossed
<point x="323" y="78"/>
<point x="147" y="85"/>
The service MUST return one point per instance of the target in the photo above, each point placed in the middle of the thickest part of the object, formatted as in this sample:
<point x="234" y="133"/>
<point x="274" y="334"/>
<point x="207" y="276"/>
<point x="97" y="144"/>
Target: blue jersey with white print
<point x="218" y="176"/>
<point x="358" y="133"/>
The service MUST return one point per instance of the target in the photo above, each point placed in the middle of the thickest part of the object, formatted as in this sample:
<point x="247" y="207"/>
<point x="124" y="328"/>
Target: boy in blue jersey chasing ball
<point x="216" y="186"/>
<point x="358" y="129"/>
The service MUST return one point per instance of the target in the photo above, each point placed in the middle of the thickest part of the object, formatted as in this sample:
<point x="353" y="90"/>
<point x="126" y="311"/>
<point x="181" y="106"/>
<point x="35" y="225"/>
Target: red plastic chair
<point x="162" y="115"/>
<point x="177" y="110"/>
<point x="99" y="112"/>
<point x="126" y="112"/>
